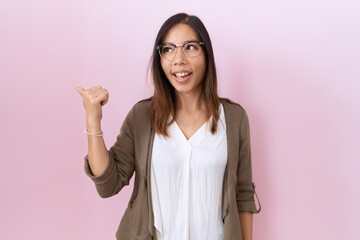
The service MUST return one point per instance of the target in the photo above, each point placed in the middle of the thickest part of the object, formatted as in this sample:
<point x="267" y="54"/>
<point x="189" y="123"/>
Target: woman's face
<point x="193" y="67"/>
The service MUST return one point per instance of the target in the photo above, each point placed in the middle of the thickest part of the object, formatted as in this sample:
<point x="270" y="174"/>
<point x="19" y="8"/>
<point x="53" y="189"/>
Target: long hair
<point x="164" y="100"/>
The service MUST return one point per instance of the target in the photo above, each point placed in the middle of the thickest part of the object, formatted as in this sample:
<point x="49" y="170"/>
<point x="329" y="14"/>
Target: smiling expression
<point x="184" y="73"/>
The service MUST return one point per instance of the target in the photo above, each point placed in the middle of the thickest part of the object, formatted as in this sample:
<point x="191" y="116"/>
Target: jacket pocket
<point x="135" y="222"/>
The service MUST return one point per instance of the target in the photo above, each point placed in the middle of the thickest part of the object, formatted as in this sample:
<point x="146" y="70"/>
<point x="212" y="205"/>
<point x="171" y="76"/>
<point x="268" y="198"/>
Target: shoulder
<point x="144" y="103"/>
<point x="141" y="109"/>
<point x="235" y="114"/>
<point x="145" y="100"/>
<point x="232" y="107"/>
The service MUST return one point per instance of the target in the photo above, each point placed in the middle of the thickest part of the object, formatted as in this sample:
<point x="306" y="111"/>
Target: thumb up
<point x="93" y="100"/>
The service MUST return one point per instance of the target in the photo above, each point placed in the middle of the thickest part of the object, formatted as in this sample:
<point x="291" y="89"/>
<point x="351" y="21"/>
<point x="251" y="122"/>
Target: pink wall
<point x="294" y="65"/>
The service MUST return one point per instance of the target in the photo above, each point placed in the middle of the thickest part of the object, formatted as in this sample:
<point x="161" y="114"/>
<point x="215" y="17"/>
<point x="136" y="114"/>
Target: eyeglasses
<point x="191" y="49"/>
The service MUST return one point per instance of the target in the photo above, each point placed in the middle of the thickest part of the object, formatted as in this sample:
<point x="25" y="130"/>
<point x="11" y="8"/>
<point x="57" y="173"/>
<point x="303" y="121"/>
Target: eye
<point x="192" y="47"/>
<point x="167" y="49"/>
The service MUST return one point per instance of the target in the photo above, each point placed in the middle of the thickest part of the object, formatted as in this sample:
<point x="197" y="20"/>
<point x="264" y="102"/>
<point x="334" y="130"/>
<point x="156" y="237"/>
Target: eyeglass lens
<point x="191" y="49"/>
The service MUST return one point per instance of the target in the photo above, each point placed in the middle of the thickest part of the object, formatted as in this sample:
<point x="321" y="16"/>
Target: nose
<point x="179" y="57"/>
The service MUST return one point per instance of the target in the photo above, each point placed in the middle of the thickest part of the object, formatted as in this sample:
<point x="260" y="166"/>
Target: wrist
<point x="98" y="134"/>
<point x="93" y="126"/>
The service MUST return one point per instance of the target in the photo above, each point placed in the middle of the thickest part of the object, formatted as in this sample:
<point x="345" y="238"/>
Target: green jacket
<point x="132" y="153"/>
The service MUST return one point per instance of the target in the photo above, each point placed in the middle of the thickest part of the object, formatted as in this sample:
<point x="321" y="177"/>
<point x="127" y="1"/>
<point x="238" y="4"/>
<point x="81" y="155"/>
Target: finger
<point x="95" y="87"/>
<point x="102" y="99"/>
<point x="96" y="91"/>
<point x="105" y="101"/>
<point x="80" y="90"/>
<point x="106" y="97"/>
<point x="96" y="95"/>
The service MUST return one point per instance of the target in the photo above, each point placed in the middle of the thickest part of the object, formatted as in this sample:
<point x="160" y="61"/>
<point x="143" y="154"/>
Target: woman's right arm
<point x="93" y="100"/>
<point x="111" y="169"/>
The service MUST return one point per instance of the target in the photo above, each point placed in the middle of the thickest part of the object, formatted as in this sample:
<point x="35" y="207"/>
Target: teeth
<point x="181" y="74"/>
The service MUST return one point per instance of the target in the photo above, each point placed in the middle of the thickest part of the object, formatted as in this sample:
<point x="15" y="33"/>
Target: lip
<point x="182" y="79"/>
<point x="181" y="71"/>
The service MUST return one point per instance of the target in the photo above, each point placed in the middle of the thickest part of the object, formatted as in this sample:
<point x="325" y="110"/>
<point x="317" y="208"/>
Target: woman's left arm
<point x="245" y="187"/>
<point x="246" y="222"/>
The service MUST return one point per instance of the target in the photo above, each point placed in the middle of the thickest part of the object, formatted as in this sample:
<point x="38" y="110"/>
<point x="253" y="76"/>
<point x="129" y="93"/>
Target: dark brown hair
<point x="164" y="100"/>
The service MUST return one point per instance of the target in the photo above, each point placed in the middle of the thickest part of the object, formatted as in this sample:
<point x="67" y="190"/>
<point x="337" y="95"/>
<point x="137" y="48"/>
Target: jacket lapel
<point x="148" y="182"/>
<point x="231" y="147"/>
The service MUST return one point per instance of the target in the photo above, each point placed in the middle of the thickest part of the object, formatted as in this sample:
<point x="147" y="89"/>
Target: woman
<point x="189" y="148"/>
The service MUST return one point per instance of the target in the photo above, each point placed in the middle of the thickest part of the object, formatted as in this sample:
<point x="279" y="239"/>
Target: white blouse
<point x="186" y="183"/>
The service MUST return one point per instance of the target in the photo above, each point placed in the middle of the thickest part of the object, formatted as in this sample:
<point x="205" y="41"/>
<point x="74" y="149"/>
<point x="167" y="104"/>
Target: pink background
<point x="293" y="65"/>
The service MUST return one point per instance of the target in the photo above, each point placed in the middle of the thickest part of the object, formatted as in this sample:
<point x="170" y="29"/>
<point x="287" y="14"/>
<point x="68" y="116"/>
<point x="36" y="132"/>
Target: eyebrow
<point x="182" y="42"/>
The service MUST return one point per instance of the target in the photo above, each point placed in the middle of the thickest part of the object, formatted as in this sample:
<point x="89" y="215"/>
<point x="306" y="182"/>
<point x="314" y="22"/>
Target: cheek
<point x="162" y="65"/>
<point x="165" y="68"/>
<point x="201" y="66"/>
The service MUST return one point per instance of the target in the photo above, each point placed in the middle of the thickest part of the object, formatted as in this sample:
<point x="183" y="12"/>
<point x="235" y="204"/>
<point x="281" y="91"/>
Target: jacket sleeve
<point x="245" y="188"/>
<point x="121" y="162"/>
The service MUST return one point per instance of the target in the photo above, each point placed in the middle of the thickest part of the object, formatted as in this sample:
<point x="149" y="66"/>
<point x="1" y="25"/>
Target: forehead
<point x="180" y="33"/>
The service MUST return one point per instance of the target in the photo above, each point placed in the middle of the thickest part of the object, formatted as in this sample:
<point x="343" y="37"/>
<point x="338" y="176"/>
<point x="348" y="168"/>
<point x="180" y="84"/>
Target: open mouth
<point x="182" y="76"/>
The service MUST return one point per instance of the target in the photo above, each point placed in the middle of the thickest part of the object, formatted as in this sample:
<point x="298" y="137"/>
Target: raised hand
<point x="93" y="100"/>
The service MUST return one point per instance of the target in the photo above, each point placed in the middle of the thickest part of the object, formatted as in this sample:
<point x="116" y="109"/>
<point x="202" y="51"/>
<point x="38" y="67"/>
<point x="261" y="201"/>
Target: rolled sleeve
<point x="121" y="164"/>
<point x="245" y="188"/>
<point x="106" y="182"/>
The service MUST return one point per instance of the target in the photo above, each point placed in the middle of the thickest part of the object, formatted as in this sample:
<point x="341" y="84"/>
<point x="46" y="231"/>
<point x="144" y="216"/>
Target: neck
<point x="190" y="102"/>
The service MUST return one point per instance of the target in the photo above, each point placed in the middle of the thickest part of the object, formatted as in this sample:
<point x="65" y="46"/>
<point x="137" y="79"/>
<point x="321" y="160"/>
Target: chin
<point x="185" y="90"/>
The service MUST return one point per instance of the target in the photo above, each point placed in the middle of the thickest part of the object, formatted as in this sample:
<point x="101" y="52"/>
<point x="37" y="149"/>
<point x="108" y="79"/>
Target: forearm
<point x="97" y="153"/>
<point x="246" y="222"/>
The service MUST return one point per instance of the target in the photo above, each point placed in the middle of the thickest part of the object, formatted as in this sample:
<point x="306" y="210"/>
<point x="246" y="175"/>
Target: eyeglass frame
<point x="158" y="47"/>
